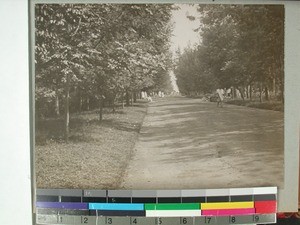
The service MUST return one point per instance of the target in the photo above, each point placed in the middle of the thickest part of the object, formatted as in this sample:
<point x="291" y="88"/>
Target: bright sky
<point x="183" y="33"/>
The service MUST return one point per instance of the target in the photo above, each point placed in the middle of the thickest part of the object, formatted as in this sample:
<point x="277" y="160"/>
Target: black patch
<point x="169" y="200"/>
<point x="241" y="198"/>
<point x="143" y="200"/>
<point x="94" y="199"/>
<point x="193" y="200"/>
<point x="70" y="199"/>
<point x="218" y="199"/>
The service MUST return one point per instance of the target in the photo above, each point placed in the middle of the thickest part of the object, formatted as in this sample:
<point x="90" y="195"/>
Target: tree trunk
<point x="260" y="92"/>
<point x="282" y="92"/>
<point x="88" y="103"/>
<point x="100" y="108"/>
<point x="67" y="108"/>
<point x="131" y="98"/>
<point x="250" y="92"/>
<point x="241" y="90"/>
<point x="56" y="103"/>
<point x="78" y="107"/>
<point x="122" y="99"/>
<point x="266" y="93"/>
<point x="57" y="108"/>
<point x="274" y="88"/>
<point x="113" y="106"/>
<point x="233" y="93"/>
<point x="134" y="97"/>
<point x="127" y="98"/>
<point x="80" y="103"/>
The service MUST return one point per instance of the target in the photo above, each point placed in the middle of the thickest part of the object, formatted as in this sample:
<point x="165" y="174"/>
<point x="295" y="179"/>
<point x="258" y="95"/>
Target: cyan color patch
<point x="116" y="206"/>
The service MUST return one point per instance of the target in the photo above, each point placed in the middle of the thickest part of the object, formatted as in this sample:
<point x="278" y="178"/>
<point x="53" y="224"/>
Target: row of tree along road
<point x="88" y="56"/>
<point x="241" y="48"/>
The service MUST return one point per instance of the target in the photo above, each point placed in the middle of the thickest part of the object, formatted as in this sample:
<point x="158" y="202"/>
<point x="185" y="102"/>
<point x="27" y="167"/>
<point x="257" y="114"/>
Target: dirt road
<point x="186" y="143"/>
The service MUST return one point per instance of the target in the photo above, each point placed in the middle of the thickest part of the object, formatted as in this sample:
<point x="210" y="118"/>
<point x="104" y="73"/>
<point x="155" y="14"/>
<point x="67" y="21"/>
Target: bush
<point x="274" y="105"/>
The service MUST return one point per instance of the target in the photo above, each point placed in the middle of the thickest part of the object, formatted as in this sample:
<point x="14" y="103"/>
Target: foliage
<point x="241" y="48"/>
<point x="87" y="55"/>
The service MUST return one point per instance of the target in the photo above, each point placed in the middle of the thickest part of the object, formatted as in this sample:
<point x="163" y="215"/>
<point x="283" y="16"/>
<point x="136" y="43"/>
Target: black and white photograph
<point x="158" y="96"/>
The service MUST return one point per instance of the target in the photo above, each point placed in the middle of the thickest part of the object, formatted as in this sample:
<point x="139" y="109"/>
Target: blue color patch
<point x="116" y="206"/>
<point x="61" y="205"/>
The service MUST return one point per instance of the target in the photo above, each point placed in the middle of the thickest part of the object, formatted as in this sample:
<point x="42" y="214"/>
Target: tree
<point x="241" y="48"/>
<point x="57" y="41"/>
<point x="98" y="50"/>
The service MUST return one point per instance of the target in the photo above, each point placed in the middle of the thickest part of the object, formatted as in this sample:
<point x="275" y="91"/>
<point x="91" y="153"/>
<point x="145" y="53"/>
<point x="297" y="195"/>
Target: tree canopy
<point x="88" y="54"/>
<point x="241" y="47"/>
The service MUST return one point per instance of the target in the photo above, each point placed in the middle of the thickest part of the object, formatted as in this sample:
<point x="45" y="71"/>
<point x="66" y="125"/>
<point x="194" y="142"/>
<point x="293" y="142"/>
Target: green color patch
<point x="173" y="206"/>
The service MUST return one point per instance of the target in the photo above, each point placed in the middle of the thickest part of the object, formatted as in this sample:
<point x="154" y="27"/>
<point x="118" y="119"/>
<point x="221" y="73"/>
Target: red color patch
<point x="265" y="206"/>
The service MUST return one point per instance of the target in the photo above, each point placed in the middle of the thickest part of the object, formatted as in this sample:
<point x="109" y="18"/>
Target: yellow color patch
<point x="227" y="205"/>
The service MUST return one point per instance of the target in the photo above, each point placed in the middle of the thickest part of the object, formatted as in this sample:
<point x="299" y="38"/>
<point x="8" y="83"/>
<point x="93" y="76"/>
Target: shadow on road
<point x="182" y="131"/>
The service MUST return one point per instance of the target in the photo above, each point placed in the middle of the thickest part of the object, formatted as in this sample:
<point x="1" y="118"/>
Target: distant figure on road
<point x="220" y="93"/>
<point x="149" y="99"/>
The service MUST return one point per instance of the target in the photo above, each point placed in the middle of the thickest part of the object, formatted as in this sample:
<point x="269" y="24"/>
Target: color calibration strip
<point x="211" y="206"/>
<point x="166" y="209"/>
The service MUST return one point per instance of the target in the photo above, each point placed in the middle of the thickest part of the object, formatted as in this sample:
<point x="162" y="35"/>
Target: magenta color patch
<point x="227" y="212"/>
